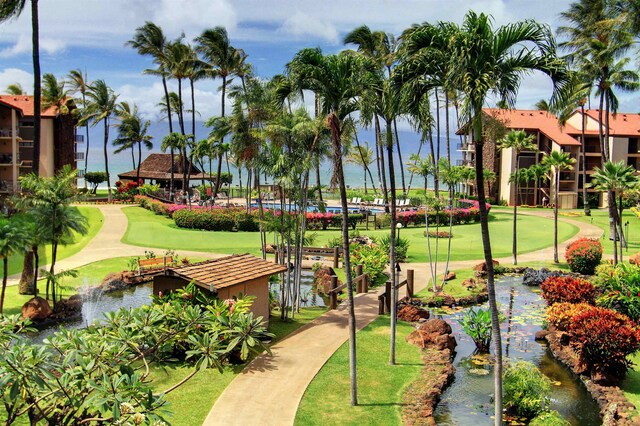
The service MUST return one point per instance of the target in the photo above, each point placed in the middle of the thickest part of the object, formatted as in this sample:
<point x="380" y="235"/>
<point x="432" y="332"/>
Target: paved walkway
<point x="269" y="389"/>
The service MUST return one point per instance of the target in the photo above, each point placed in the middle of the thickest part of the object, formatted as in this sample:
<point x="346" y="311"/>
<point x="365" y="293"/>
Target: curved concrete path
<point x="269" y="390"/>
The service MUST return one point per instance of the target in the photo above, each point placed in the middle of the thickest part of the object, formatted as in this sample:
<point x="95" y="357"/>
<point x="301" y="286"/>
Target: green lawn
<point x="631" y="384"/>
<point x="380" y="386"/>
<point x="149" y="230"/>
<point x="95" y="219"/>
<point x="191" y="402"/>
<point x="600" y="218"/>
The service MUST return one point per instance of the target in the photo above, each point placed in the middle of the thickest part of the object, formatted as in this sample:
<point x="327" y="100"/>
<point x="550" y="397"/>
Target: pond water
<point x="468" y="400"/>
<point x="308" y="295"/>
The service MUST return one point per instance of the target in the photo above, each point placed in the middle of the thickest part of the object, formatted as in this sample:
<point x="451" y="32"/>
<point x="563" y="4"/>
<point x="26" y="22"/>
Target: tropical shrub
<point x="147" y="188"/>
<point x="549" y="418"/>
<point x="438" y="234"/>
<point x="560" y="315"/>
<point x="604" y="338"/>
<point x="402" y="246"/>
<point x="620" y="286"/>
<point x="567" y="289"/>
<point x="477" y="324"/>
<point x="526" y="390"/>
<point x="325" y="220"/>
<point x="583" y="255"/>
<point x="95" y="179"/>
<point x="209" y="220"/>
<point x="374" y="260"/>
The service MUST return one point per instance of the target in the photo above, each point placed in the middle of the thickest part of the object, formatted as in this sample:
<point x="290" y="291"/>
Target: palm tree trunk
<point x="318" y="180"/>
<point x="612" y="207"/>
<point x="36" y="264"/>
<point x="86" y="126"/>
<point x="172" y="178"/>
<point x="168" y="102"/>
<point x="555" y="216"/>
<point x="106" y="156"/>
<point x="334" y="124"/>
<point x="392" y="245"/>
<point x="363" y="160"/>
<point x="436" y="157"/>
<point x="446" y="124"/>
<point x="193" y="110"/>
<point x="5" y="273"/>
<point x="37" y="90"/>
<point x="25" y="286"/>
<point x="382" y="169"/>
<point x="133" y="157"/>
<point x="218" y="174"/>
<point x="515" y="218"/>
<point x="139" y="161"/>
<point x="585" y="199"/>
<point x="434" y="162"/>
<point x="395" y="130"/>
<point x="488" y="258"/>
<point x="54" y="253"/>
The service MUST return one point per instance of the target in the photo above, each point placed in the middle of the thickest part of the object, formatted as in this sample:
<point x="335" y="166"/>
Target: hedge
<point x="230" y="219"/>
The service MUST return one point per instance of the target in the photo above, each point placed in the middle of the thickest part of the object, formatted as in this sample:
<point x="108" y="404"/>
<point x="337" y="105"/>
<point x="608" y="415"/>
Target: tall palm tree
<point x="337" y="79"/>
<point x="15" y="89"/>
<point x="54" y="94"/>
<point x="221" y="60"/>
<point x="557" y="162"/>
<point x="172" y="142"/>
<point x="101" y="106"/>
<point x="487" y="60"/>
<point x="517" y="141"/>
<point x="363" y="157"/>
<point x="12" y="240"/>
<point x="615" y="178"/>
<point x="79" y="83"/>
<point x="149" y="40"/>
<point x="10" y="9"/>
<point x="132" y="133"/>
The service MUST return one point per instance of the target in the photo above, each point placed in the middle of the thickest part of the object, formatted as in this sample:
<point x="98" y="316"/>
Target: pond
<point x="308" y="295"/>
<point x="467" y="401"/>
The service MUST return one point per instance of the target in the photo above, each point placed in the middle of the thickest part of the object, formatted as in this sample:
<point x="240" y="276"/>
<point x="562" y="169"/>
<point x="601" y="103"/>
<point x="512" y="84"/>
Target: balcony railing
<point x="79" y="156"/>
<point x="464" y="163"/>
<point x="5" y="133"/>
<point x="79" y="139"/>
<point x="465" y="147"/>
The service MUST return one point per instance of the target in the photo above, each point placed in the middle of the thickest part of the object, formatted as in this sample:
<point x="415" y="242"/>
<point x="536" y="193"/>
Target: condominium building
<point x="550" y="135"/>
<point x="58" y="141"/>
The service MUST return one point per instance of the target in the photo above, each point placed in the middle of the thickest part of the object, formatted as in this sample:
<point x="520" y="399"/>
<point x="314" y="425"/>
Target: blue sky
<point x="90" y="34"/>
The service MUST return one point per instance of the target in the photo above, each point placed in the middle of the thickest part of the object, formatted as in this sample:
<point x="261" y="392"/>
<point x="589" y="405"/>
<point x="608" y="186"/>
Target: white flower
<point x="138" y="418"/>
<point x="126" y="408"/>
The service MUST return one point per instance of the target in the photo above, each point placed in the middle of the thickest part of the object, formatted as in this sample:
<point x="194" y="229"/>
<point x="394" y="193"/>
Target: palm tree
<point x="79" y="83"/>
<point x="363" y="157"/>
<point x="12" y="239"/>
<point x="615" y="178"/>
<point x="221" y="60"/>
<point x="132" y="133"/>
<point x="487" y="60"/>
<point x="15" y="89"/>
<point x="102" y="104"/>
<point x="10" y="9"/>
<point x="173" y="141"/>
<point x="149" y="40"/>
<point x="557" y="162"/>
<point x="51" y="199"/>
<point x="337" y="79"/>
<point x="517" y="141"/>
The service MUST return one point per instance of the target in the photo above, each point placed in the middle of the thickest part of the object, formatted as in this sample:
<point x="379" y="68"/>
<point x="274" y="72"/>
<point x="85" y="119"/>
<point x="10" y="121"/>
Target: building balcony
<point x="79" y="139"/>
<point x="79" y="156"/>
<point x="468" y="163"/>
<point x="6" y="133"/>
<point x="465" y="147"/>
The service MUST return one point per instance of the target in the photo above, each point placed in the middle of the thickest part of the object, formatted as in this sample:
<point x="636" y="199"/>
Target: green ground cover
<point x="191" y="402"/>
<point x="149" y="230"/>
<point x="631" y="384"/>
<point x="600" y="218"/>
<point x="380" y="386"/>
<point x="94" y="217"/>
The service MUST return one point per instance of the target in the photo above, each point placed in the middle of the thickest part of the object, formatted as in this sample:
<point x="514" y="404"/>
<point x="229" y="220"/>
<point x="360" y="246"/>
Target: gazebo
<point x="156" y="168"/>
<point x="227" y="277"/>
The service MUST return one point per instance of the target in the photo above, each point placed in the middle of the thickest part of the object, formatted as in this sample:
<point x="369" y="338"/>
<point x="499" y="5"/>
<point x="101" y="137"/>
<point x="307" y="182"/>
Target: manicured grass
<point x="95" y="219"/>
<point x="380" y="386"/>
<point x="191" y="402"/>
<point x="452" y="287"/>
<point x="600" y="218"/>
<point x="149" y="230"/>
<point x="631" y="384"/>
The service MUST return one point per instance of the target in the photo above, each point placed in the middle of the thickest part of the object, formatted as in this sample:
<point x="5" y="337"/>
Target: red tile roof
<point x="227" y="271"/>
<point x="24" y="104"/>
<point x="541" y="121"/>
<point x="621" y="124"/>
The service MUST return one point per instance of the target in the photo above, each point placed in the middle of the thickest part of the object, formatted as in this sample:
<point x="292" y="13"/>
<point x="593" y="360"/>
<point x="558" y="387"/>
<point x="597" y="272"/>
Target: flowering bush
<point x="620" y="286"/>
<point x="567" y="289"/>
<point x="583" y="255"/>
<point x="560" y="315"/>
<point x="374" y="260"/>
<point x="316" y="220"/>
<point x="604" y="338"/>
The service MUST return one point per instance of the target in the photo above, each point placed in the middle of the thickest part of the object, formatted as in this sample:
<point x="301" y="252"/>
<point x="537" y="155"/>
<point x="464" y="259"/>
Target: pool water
<point x="468" y="400"/>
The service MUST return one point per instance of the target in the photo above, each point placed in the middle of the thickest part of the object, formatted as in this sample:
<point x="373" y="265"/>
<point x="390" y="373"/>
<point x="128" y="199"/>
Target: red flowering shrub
<point x="604" y="338"/>
<point x="583" y="255"/>
<point x="317" y="220"/>
<point x="567" y="289"/>
<point x="560" y="315"/>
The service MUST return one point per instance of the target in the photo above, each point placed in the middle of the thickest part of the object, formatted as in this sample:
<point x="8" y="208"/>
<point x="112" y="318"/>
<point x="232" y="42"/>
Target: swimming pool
<point x="315" y="209"/>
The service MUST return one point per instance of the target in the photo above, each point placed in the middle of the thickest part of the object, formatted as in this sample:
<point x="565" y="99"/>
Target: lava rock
<point x="36" y="309"/>
<point x="542" y="334"/>
<point x="534" y="277"/>
<point x="437" y="326"/>
<point x="482" y="267"/>
<point x="113" y="282"/>
<point x="411" y="313"/>
<point x="450" y="276"/>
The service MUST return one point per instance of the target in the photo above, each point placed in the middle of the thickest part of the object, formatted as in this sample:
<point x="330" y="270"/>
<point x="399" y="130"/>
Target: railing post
<point x="365" y="287"/>
<point x="410" y="283"/>
<point x="336" y="257"/>
<point x="276" y="251"/>
<point x="359" y="286"/>
<point x="387" y="295"/>
<point x="381" y="304"/>
<point x="333" y="295"/>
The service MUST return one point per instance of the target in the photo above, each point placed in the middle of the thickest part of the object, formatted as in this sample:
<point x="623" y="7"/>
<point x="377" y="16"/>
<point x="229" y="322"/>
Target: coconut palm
<point x="10" y="9"/>
<point x="132" y="133"/>
<point x="517" y="141"/>
<point x="488" y="60"/>
<point x="15" y="89"/>
<point x="12" y="240"/>
<point x="363" y="157"/>
<point x="337" y="79"/>
<point x="79" y="83"/>
<point x="615" y="178"/>
<point x="557" y="162"/>
<point x="54" y="94"/>
<point x="50" y="199"/>
<point x="101" y="106"/>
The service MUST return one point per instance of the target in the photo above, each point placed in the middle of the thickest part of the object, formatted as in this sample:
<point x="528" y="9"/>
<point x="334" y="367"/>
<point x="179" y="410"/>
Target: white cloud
<point x="14" y="75"/>
<point x="303" y="25"/>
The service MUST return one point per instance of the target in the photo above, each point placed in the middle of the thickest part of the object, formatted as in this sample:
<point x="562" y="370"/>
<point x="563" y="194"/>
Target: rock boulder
<point x="36" y="309"/>
<point x="411" y="313"/>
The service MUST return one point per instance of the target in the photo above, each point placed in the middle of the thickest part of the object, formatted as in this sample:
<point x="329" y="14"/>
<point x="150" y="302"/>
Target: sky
<point x="91" y="35"/>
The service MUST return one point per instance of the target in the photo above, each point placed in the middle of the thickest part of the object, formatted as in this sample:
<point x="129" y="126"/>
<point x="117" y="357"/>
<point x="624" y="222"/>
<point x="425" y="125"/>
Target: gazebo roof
<point x="158" y="167"/>
<point x="227" y="271"/>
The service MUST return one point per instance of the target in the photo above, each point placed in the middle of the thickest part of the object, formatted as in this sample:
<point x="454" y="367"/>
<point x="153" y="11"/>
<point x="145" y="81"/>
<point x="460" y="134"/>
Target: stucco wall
<point x="47" y="148"/>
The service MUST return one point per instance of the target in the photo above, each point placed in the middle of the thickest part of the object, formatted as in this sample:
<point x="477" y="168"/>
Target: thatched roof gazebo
<point x="156" y="168"/>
